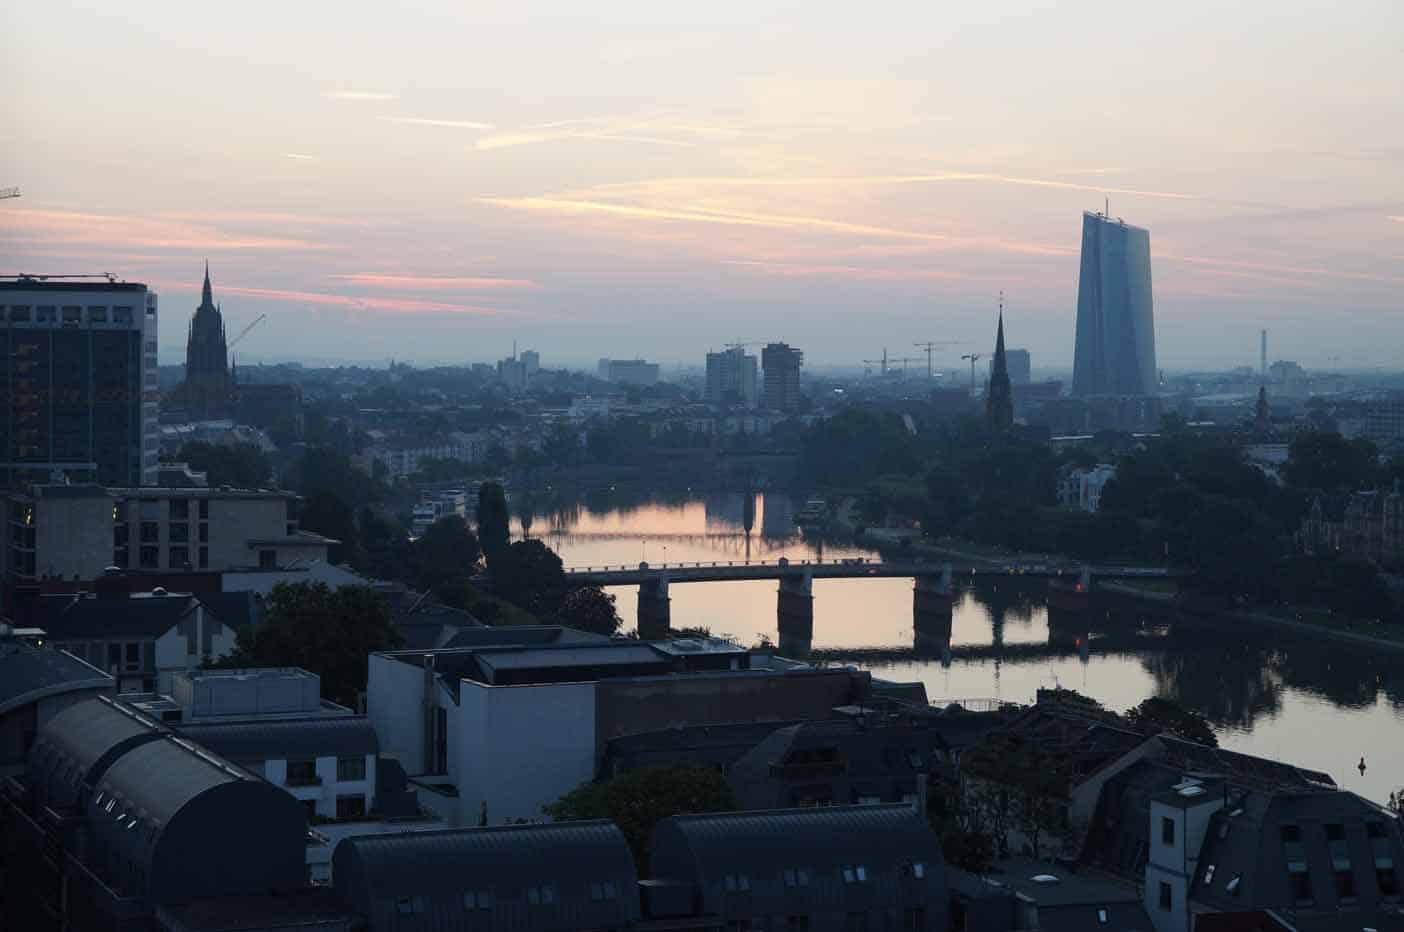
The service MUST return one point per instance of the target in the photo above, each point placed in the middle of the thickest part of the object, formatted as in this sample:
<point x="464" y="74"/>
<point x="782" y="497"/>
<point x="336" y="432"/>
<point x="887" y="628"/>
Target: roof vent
<point x="159" y="590"/>
<point x="1044" y="878"/>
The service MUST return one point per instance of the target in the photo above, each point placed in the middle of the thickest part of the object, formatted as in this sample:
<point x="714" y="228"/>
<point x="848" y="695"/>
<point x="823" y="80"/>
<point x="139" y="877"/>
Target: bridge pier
<point x="932" y="602"/>
<point x="655" y="609"/>
<point x="794" y="613"/>
<point x="1072" y="596"/>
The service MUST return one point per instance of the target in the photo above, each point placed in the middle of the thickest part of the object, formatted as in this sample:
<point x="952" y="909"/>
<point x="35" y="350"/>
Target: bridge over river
<point x="932" y="591"/>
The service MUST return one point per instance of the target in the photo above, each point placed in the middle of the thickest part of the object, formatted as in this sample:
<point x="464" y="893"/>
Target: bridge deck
<point x="846" y="569"/>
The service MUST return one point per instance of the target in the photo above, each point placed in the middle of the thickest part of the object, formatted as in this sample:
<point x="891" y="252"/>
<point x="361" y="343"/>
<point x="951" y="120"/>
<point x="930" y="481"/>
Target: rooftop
<point x="29" y="673"/>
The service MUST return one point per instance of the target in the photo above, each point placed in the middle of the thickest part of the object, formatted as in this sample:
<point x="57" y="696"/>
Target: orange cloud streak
<point x="60" y="227"/>
<point x="435" y="282"/>
<point x="403" y="305"/>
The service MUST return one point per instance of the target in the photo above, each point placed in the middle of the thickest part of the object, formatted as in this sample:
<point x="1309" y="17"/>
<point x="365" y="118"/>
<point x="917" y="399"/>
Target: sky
<point x="431" y="181"/>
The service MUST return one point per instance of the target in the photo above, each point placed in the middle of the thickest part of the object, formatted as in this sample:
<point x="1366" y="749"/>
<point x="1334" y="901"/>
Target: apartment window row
<point x="68" y="314"/>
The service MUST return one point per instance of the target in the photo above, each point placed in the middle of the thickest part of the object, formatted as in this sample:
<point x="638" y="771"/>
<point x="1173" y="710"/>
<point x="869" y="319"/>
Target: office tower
<point x="1019" y="366"/>
<point x="531" y="363"/>
<point x="999" y="397"/>
<point x="781" y="363"/>
<point x="208" y="388"/>
<point x="731" y="377"/>
<point x="629" y="371"/>
<point x="79" y="373"/>
<point x="1115" y="351"/>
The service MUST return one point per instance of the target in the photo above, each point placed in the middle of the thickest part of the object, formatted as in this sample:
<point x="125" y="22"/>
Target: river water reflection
<point x="1267" y="692"/>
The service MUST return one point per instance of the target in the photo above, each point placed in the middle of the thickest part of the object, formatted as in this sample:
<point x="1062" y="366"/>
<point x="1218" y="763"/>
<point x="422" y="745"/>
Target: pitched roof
<point x="235" y="609"/>
<point x="28" y="674"/>
<point x="87" y="615"/>
<point x="320" y="736"/>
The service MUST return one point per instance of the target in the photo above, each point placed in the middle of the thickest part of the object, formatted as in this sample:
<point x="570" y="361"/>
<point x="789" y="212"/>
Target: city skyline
<point x="431" y="187"/>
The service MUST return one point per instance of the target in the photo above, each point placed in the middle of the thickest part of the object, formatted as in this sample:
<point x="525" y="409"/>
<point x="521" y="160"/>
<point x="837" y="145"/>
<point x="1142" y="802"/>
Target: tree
<point x="638" y="800"/>
<point x="1157" y="715"/>
<point x="1328" y="461"/>
<point x="529" y="575"/>
<point x="239" y="465"/>
<point x="326" y="514"/>
<point x="330" y="633"/>
<point x="448" y="550"/>
<point x="494" y="521"/>
<point x="590" y="608"/>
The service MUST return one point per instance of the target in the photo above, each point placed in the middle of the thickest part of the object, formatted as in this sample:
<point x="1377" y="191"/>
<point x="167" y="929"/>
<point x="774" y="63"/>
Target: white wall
<point x="324" y="794"/>
<point x="173" y="648"/>
<point x="395" y="707"/>
<point x="520" y="747"/>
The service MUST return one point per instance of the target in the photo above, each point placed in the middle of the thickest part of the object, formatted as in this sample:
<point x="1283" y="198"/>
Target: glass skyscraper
<point x="78" y="373"/>
<point x="1115" y="352"/>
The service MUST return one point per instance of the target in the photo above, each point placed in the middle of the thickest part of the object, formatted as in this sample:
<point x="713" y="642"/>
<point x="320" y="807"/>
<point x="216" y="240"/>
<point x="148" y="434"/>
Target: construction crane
<point x="974" y="358"/>
<point x="245" y="332"/>
<point x="882" y="361"/>
<point x="6" y="193"/>
<point x="931" y="345"/>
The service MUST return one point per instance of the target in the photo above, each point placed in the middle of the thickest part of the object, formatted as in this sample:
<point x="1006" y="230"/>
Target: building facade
<point x="1115" y="350"/>
<point x="731" y="378"/>
<point x="1384" y="421"/>
<point x="781" y="363"/>
<point x="78" y="367"/>
<point x="628" y="372"/>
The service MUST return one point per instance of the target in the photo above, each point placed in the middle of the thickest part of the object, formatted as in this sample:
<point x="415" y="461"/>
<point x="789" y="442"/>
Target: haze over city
<point x="644" y="179"/>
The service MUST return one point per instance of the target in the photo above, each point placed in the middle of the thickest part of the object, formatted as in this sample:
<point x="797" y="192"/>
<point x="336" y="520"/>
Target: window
<point x="409" y="905"/>
<point x="122" y="314"/>
<point x="350" y="768"/>
<point x="133" y="655"/>
<point x="543" y="895"/>
<point x="854" y="873"/>
<point x="179" y="558"/>
<point x="1167" y="830"/>
<point x="1300" y="882"/>
<point x="204" y="557"/>
<point x="797" y="923"/>
<point x="736" y="883"/>
<point x="1233" y="885"/>
<point x="914" y="920"/>
<point x="311" y="806"/>
<point x="204" y="509"/>
<point x="178" y="532"/>
<point x="603" y="890"/>
<point x="180" y="509"/>
<point x="1387" y="881"/>
<point x="1165" y="894"/>
<point x="204" y="533"/>
<point x="72" y="315"/>
<point x="350" y="807"/>
<point x="1209" y="875"/>
<point x="855" y="922"/>
<point x="44" y="313"/>
<point x="918" y="870"/>
<point x="267" y="560"/>
<point x="303" y="772"/>
<point x="114" y="657"/>
<point x="150" y="532"/>
<point x="19" y="312"/>
<point x="796" y="877"/>
<point x="1101" y="915"/>
<point x="97" y="315"/>
<point x="479" y="899"/>
<point x="1374" y="830"/>
<point x="1345" y="886"/>
<point x="149" y="558"/>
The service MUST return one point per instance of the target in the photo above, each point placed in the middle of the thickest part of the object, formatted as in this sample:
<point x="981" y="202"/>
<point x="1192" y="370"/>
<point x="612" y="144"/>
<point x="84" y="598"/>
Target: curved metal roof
<point x="707" y="845"/>
<point x="322" y="736"/>
<point x="78" y="744"/>
<point x="29" y="674"/>
<point x="374" y="872"/>
<point x="193" y="824"/>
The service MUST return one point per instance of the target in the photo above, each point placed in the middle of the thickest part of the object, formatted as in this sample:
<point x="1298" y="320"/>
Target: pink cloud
<point x="401" y="305"/>
<point x="859" y="273"/>
<point x="435" y="282"/>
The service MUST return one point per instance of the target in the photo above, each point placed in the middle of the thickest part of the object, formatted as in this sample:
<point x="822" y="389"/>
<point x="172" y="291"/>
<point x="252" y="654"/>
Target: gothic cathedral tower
<point x="999" y="396"/>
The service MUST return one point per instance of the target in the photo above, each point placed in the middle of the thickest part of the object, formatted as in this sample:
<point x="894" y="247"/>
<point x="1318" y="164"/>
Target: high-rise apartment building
<point x="1019" y="366"/>
<point x="78" y="370"/>
<point x="731" y="377"/>
<point x="1115" y="351"/>
<point x="781" y="363"/>
<point x="628" y="371"/>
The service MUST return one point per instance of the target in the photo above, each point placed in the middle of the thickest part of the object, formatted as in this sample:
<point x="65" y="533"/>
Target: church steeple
<point x="207" y="293"/>
<point x="999" y="397"/>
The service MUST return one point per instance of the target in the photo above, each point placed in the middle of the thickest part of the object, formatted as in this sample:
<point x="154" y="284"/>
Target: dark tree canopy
<point x="330" y="633"/>
<point x="326" y="514"/>
<point x="590" y="608"/>
<point x="1321" y="460"/>
<point x="447" y="551"/>
<point x="494" y="520"/>
<point x="638" y="800"/>
<point x="239" y="465"/>
<point x="529" y="575"/>
<point x="1157" y="715"/>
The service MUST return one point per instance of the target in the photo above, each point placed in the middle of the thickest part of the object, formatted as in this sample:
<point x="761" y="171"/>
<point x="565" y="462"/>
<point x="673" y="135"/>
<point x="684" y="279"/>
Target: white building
<point x="1082" y="488"/>
<point x="628" y="371"/>
<point x="501" y="729"/>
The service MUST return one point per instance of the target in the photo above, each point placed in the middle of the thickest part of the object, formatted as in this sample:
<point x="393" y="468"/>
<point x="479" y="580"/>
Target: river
<point x="1272" y="693"/>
